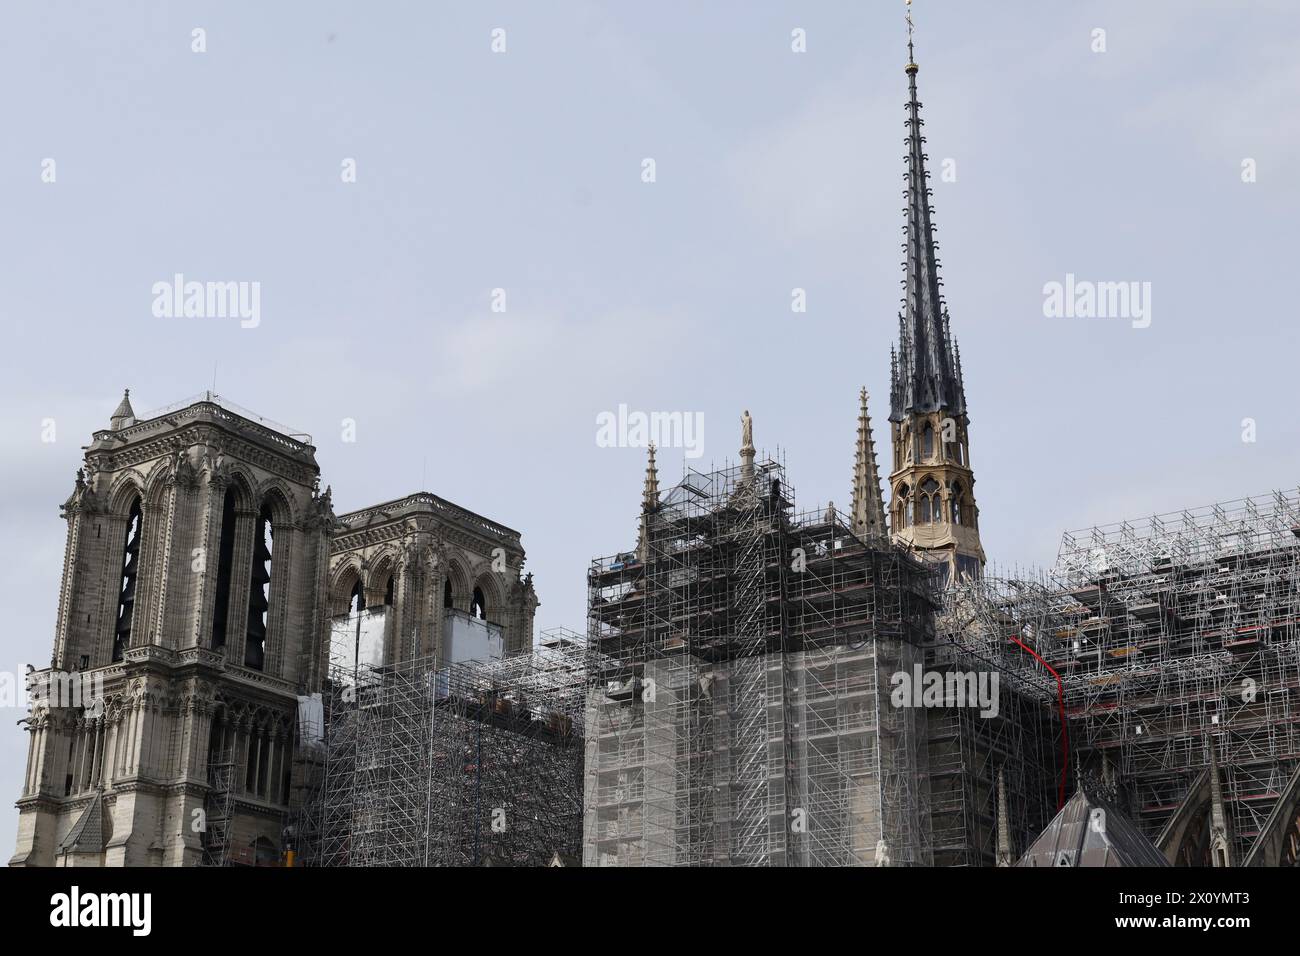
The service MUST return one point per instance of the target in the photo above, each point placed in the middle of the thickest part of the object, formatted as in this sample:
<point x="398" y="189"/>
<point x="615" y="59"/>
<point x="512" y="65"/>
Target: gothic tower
<point x="932" y="508"/>
<point x="868" y="515"/>
<point x="188" y="624"/>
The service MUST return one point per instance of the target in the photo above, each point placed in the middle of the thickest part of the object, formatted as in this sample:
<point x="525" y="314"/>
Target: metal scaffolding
<point x="218" y="806"/>
<point x="1175" y="639"/>
<point x="739" y="710"/>
<point x="1179" y="633"/>
<point x="1021" y="745"/>
<point x="477" y="763"/>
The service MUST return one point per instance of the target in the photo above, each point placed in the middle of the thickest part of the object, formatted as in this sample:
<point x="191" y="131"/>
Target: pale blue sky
<point x="522" y="171"/>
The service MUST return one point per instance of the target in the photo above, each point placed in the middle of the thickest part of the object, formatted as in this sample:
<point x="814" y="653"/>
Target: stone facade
<point x="201" y="569"/>
<point x="424" y="556"/>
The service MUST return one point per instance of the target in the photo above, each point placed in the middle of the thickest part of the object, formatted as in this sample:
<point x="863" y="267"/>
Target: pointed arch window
<point x="390" y="591"/>
<point x="130" y="568"/>
<point x="957" y="501"/>
<point x="447" y="600"/>
<point x="478" y="606"/>
<point x="357" y="602"/>
<point x="903" y="510"/>
<point x="927" y="441"/>
<point x="928" y="502"/>
<point x="225" y="568"/>
<point x="259" y="591"/>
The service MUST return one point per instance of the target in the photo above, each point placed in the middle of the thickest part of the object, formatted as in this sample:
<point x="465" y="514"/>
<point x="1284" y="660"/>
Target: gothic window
<point x="259" y="591"/>
<point x="929" y="500"/>
<point x="225" y="566"/>
<point x="446" y="594"/>
<point x="957" y="500"/>
<point x="388" y="591"/>
<point x="358" y="600"/>
<point x="904" y="512"/>
<point x="928" y="441"/>
<point x="478" y="607"/>
<point x="130" y="566"/>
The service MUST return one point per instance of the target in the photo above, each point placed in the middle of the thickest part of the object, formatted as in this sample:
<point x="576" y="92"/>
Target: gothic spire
<point x="124" y="416"/>
<point x="650" y="493"/>
<point x="649" y="501"/>
<point x="927" y="377"/>
<point x="868" y="513"/>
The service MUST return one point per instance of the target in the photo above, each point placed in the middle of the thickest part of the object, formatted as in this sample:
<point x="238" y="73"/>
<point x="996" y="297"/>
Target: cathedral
<point x="733" y="705"/>
<point x="204" y="573"/>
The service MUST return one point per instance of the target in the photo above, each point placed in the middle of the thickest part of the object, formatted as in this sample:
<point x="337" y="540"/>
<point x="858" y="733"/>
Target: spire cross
<point x="910" y="57"/>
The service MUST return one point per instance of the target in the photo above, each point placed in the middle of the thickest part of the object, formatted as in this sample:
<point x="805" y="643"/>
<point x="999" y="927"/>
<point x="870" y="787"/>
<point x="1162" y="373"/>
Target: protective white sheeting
<point x="311" y="720"/>
<point x="371" y="637"/>
<point x="358" y="639"/>
<point x="472" y="639"/>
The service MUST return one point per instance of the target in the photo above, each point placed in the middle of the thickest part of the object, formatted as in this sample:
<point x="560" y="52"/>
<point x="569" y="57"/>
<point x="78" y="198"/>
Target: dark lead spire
<point x="927" y="374"/>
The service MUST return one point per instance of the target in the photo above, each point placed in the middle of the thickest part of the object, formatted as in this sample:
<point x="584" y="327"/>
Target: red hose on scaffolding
<point x="1065" y="733"/>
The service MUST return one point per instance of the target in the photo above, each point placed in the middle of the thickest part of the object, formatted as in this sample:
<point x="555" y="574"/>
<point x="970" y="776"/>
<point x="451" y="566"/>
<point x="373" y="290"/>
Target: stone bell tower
<point x="189" y="621"/>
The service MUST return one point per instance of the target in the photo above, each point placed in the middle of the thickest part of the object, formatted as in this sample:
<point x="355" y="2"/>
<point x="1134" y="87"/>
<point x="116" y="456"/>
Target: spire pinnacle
<point x="868" y="511"/>
<point x="927" y="375"/>
<point x="911" y="59"/>
<point x="649" y="502"/>
<point x="650" y="493"/>
<point x="124" y="416"/>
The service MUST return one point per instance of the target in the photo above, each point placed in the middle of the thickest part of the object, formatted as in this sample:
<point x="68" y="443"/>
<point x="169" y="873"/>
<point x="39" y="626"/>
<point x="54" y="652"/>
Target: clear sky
<point x="522" y="171"/>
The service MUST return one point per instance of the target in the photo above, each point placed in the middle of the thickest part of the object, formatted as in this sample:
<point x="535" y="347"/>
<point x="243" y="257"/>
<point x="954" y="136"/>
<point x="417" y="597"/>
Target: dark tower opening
<point x="259" y="588"/>
<point x="130" y="567"/>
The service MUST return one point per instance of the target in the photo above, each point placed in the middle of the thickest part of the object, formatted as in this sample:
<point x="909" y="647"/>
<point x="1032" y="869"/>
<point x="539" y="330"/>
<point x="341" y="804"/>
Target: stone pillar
<point x="70" y="588"/>
<point x="205" y="592"/>
<point x="97" y="752"/>
<point x="281" y="595"/>
<point x="163" y="562"/>
<point x="259" y="735"/>
<point x="31" y="760"/>
<point x="275" y="742"/>
<point x="244" y="740"/>
<point x="82" y="771"/>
